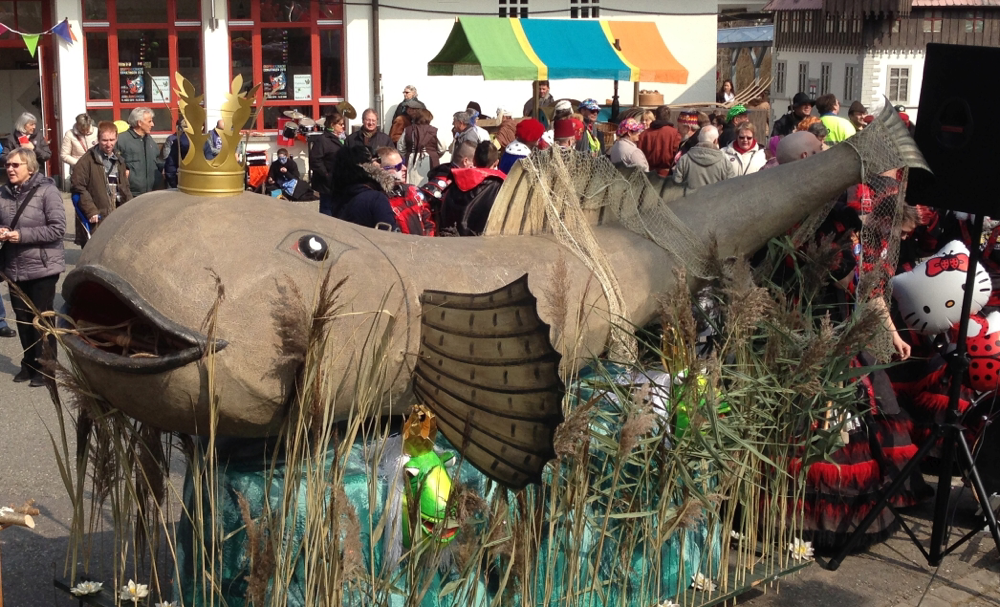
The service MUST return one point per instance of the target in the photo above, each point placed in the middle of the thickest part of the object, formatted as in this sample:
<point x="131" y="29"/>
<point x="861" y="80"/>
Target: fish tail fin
<point x="489" y="373"/>
<point x="886" y="144"/>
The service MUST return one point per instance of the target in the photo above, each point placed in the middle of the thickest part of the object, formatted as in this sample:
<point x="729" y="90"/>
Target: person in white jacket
<point x="78" y="140"/>
<point x="746" y="155"/>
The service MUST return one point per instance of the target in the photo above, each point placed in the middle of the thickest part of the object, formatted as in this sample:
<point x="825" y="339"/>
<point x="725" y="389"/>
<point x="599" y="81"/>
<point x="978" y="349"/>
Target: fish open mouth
<point x="117" y="328"/>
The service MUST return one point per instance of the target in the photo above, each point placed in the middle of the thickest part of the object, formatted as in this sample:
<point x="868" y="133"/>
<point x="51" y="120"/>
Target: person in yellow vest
<point x="592" y="140"/>
<point x="839" y="128"/>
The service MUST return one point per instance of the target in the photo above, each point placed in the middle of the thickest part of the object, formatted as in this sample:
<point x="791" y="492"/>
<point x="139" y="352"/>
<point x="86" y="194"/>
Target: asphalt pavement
<point x="891" y="574"/>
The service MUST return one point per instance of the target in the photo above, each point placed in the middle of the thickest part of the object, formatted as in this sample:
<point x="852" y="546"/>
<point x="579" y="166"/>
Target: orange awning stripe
<point x="642" y="46"/>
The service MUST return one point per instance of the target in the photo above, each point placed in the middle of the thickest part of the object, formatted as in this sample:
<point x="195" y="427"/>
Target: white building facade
<point x="313" y="54"/>
<point x="866" y="49"/>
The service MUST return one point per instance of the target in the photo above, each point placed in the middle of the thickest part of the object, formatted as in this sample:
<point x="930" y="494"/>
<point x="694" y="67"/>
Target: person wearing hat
<point x="405" y="119"/>
<point x="505" y="132"/>
<point x="527" y="134"/>
<point x="659" y="144"/>
<point x="736" y="116"/>
<point x="856" y="114"/>
<point x="463" y="130"/>
<point x="564" y="133"/>
<point x="839" y="128"/>
<point x="688" y="126"/>
<point x="625" y="152"/>
<point x="801" y="107"/>
<point x="592" y="141"/>
<point x="562" y="111"/>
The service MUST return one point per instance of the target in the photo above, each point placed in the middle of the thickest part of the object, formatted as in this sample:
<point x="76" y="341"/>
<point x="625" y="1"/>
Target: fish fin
<point x="518" y="209"/>
<point x="488" y="371"/>
<point x="904" y="150"/>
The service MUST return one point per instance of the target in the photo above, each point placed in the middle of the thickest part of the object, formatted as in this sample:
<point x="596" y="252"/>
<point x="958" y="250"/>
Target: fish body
<point x="152" y="267"/>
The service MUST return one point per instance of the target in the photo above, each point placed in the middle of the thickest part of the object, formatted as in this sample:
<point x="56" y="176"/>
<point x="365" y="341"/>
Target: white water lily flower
<point x="133" y="592"/>
<point x="166" y="604"/>
<point x="735" y="535"/>
<point x="801" y="551"/>
<point x="668" y="604"/>
<point x="85" y="588"/>
<point x="703" y="583"/>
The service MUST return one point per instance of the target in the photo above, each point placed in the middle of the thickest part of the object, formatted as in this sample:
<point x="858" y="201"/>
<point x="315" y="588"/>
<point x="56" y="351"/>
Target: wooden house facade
<point x="863" y="49"/>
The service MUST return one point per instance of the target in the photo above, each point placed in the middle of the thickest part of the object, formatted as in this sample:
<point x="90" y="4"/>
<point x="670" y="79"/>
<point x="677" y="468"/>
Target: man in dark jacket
<point x="660" y="142"/>
<point x="175" y="147"/>
<point x="470" y="198"/>
<point x="323" y="152"/>
<point x="101" y="181"/>
<point x="140" y="153"/>
<point x="369" y="135"/>
<point x="801" y="108"/>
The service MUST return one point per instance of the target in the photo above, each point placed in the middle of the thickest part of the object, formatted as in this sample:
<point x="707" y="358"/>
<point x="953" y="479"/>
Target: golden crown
<point x="224" y="174"/>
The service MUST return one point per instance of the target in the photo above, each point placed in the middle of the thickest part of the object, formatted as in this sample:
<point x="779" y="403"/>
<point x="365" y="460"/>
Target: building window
<point x="896" y="25"/>
<point x="584" y="9"/>
<point x="807" y="22"/>
<point x="932" y="22"/>
<point x="899" y="85"/>
<point x="796" y="21"/>
<point x="295" y="50"/>
<point x="803" y="76"/>
<point x="831" y="23"/>
<point x="783" y="18"/>
<point x="825" y="70"/>
<point x="856" y="25"/>
<point x="850" y="88"/>
<point x="780" y="69"/>
<point x="974" y="21"/>
<point x="514" y="9"/>
<point x="144" y="43"/>
<point x="842" y="25"/>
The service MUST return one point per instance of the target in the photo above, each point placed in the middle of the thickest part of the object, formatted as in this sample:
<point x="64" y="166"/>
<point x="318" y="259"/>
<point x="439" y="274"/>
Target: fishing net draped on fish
<point x="566" y="193"/>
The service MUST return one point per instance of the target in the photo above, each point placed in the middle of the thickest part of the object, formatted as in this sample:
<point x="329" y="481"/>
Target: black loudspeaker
<point x="958" y="131"/>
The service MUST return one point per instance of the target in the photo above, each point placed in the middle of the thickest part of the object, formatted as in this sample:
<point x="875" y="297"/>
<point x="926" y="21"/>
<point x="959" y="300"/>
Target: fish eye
<point x="314" y="247"/>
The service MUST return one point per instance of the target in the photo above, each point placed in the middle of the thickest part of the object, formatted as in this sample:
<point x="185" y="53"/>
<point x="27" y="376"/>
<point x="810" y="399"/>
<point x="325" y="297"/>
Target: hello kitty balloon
<point x="930" y="295"/>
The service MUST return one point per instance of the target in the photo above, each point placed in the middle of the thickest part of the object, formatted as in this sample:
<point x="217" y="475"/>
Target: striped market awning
<point x="554" y="49"/>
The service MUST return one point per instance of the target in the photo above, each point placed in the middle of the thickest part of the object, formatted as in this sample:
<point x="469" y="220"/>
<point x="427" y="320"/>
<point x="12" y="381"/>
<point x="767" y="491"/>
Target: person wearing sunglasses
<point x="408" y="202"/>
<point x="746" y="155"/>
<point x="409" y="92"/>
<point x="32" y="225"/>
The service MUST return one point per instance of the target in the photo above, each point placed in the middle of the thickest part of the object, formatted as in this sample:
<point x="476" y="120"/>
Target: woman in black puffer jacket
<point x="360" y="188"/>
<point x="32" y="225"/>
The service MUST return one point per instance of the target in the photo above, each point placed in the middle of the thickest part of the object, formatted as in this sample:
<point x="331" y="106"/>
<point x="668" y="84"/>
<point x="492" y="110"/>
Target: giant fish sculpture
<point x="149" y="270"/>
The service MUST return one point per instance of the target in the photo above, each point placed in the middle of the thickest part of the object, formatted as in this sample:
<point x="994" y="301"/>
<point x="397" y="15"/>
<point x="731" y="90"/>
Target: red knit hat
<point x="529" y="130"/>
<point x="563" y="129"/>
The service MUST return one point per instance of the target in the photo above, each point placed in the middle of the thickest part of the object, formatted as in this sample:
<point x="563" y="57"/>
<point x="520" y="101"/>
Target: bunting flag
<point x="32" y="41"/>
<point x="61" y="29"/>
<point x="64" y="31"/>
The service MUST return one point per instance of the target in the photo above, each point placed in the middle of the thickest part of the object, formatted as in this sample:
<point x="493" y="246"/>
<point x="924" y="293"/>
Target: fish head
<point x="169" y="277"/>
